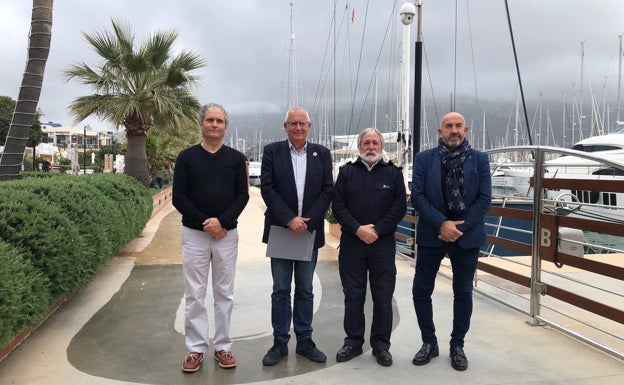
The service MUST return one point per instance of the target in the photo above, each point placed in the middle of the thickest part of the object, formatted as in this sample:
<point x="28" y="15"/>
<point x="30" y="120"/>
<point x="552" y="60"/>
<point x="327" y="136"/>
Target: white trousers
<point x="199" y="251"/>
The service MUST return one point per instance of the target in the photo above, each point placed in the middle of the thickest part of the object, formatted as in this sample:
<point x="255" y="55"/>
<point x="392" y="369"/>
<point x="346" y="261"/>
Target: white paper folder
<point x="286" y="244"/>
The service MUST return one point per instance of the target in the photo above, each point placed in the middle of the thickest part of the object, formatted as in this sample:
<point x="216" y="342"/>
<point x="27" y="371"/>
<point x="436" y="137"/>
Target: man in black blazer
<point x="297" y="187"/>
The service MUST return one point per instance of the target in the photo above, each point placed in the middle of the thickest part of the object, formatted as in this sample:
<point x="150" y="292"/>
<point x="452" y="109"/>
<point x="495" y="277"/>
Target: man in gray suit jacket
<point x="452" y="192"/>
<point x="297" y="186"/>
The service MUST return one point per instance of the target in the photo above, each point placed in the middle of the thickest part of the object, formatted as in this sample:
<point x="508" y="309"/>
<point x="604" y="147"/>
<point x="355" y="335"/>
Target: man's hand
<point x="212" y="226"/>
<point x="449" y="232"/>
<point x="298" y="224"/>
<point x="367" y="233"/>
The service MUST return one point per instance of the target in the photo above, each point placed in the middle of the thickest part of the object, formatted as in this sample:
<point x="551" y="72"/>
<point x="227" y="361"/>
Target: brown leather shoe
<point x="225" y="359"/>
<point x="192" y="362"/>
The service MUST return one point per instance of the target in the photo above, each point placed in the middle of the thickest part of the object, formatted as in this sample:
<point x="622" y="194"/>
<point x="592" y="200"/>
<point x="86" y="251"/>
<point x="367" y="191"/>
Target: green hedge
<point x="56" y="233"/>
<point x="24" y="291"/>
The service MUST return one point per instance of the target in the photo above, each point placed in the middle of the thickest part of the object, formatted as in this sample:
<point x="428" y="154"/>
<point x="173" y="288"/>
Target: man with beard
<point x="369" y="202"/>
<point x="452" y="192"/>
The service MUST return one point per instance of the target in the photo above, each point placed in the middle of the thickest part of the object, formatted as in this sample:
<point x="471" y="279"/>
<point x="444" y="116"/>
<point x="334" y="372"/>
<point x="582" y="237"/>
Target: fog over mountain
<point x="346" y="55"/>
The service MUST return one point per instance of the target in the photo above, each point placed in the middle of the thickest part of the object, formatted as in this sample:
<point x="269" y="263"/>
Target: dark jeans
<point x="302" y="310"/>
<point x="464" y="264"/>
<point x="356" y="261"/>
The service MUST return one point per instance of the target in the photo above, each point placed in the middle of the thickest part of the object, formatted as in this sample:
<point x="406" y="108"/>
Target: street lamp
<point x="409" y="10"/>
<point x="84" y="151"/>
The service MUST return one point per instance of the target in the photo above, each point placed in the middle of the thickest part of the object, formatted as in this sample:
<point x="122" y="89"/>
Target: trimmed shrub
<point x="47" y="238"/>
<point x="58" y="232"/>
<point x="24" y="294"/>
<point x="132" y="200"/>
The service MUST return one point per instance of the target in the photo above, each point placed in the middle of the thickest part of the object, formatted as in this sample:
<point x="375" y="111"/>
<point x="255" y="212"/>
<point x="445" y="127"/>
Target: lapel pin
<point x="314" y="153"/>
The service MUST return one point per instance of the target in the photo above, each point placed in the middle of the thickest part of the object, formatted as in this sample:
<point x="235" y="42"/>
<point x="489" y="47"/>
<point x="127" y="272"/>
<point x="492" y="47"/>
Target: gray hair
<point x="205" y="107"/>
<point x="370" y="130"/>
<point x="296" y="108"/>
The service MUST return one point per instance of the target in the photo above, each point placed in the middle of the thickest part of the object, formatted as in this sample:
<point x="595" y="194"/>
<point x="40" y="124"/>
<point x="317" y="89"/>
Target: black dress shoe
<point x="347" y="353"/>
<point x="384" y="358"/>
<point x="426" y="352"/>
<point x="278" y="351"/>
<point x="307" y="348"/>
<point x="458" y="359"/>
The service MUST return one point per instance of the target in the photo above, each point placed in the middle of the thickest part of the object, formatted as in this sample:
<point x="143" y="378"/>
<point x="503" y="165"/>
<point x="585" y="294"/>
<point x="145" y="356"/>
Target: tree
<point x="7" y="106"/>
<point x="12" y="159"/>
<point x="36" y="134"/>
<point x="139" y="87"/>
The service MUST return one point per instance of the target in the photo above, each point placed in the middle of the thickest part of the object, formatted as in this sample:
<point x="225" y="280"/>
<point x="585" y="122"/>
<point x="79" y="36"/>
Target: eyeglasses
<point x="295" y="124"/>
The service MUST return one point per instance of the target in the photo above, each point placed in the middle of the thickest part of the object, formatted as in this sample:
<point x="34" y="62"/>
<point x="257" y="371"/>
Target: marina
<point x="549" y="297"/>
<point x="123" y="327"/>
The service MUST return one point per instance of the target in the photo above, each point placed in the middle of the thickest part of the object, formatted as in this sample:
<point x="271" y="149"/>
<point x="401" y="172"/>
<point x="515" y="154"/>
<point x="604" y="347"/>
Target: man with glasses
<point x="297" y="186"/>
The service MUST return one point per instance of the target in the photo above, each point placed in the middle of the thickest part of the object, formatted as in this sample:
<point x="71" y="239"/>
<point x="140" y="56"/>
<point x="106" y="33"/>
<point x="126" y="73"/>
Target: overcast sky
<point x="246" y="46"/>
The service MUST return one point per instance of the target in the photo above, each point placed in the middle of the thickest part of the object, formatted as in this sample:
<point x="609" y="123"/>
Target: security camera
<point x="407" y="12"/>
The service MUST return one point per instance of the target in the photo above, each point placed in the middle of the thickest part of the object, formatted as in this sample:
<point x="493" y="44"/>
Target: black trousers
<point x="358" y="262"/>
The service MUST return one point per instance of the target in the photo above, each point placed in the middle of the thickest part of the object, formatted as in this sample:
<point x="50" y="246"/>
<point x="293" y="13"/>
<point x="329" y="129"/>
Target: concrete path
<point x="126" y="328"/>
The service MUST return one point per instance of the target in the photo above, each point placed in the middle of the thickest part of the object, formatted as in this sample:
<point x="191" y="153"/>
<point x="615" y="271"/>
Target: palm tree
<point x="12" y="158"/>
<point x="139" y="87"/>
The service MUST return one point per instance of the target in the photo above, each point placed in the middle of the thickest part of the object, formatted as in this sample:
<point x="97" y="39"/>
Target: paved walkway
<point x="126" y="328"/>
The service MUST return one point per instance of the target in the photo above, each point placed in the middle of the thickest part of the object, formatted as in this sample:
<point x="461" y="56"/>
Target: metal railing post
<point x="536" y="265"/>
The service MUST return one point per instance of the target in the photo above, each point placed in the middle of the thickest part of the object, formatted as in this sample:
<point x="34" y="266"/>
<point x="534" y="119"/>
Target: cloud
<point x="246" y="45"/>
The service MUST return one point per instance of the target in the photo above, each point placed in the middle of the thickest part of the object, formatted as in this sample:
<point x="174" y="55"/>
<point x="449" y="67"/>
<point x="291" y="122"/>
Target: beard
<point x="453" y="142"/>
<point x="371" y="157"/>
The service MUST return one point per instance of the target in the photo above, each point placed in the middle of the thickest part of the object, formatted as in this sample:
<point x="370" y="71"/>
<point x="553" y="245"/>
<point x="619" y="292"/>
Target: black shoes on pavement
<point x="307" y="348"/>
<point x="384" y="358"/>
<point x="278" y="351"/>
<point x="348" y="352"/>
<point x="425" y="354"/>
<point x="428" y="351"/>
<point x="458" y="359"/>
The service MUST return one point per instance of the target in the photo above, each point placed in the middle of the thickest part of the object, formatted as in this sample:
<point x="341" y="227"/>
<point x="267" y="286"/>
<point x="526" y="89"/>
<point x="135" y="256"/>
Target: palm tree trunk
<point x="12" y="159"/>
<point x="136" y="157"/>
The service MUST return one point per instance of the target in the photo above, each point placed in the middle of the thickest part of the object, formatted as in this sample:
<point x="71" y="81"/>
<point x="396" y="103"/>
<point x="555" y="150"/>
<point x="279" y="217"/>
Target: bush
<point x="24" y="292"/>
<point x="329" y="215"/>
<point x="131" y="199"/>
<point x="58" y="232"/>
<point x="47" y="237"/>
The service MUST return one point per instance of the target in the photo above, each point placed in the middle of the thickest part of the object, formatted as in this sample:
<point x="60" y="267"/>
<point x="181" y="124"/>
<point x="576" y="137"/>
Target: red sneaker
<point x="225" y="359"/>
<point x="192" y="362"/>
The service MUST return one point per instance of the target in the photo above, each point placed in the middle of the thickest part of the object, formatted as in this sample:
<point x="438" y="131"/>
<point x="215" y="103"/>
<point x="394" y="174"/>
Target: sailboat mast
<point x="405" y="83"/>
<point x="619" y="90"/>
<point x="580" y="111"/>
<point x="484" y="147"/>
<point x="375" y="101"/>
<point x="293" y="98"/>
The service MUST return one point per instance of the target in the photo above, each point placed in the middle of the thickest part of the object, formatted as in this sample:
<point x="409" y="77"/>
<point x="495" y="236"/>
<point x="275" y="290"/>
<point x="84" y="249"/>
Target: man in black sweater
<point x="210" y="190"/>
